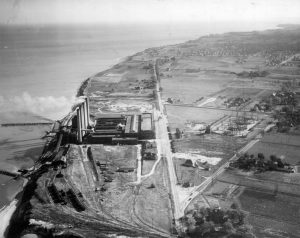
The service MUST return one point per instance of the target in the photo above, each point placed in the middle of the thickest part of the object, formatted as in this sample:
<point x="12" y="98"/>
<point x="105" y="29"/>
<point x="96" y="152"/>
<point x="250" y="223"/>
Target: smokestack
<point x="79" y="134"/>
<point x="88" y="110"/>
<point x="82" y="119"/>
<point x="85" y="114"/>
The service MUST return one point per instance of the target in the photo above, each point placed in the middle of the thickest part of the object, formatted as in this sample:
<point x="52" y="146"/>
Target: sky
<point x="147" y="11"/>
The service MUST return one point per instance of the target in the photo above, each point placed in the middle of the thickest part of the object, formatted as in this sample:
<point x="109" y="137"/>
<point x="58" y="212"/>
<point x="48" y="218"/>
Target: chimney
<point x="79" y="132"/>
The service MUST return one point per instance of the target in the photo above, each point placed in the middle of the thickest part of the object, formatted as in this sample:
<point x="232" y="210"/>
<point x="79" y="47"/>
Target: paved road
<point x="220" y="109"/>
<point x="199" y="189"/>
<point x="163" y="141"/>
<point x="161" y="124"/>
<point x="289" y="59"/>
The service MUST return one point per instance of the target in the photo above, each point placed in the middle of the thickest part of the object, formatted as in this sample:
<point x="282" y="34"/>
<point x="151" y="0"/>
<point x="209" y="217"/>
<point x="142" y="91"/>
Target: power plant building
<point x="122" y="129"/>
<point x="147" y="128"/>
<point x="110" y="128"/>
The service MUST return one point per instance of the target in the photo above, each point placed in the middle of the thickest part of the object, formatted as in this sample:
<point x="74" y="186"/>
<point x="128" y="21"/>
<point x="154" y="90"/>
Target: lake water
<point x="42" y="67"/>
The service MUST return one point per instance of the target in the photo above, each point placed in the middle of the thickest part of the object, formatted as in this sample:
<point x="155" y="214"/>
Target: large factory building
<point x="109" y="128"/>
<point x="121" y="129"/>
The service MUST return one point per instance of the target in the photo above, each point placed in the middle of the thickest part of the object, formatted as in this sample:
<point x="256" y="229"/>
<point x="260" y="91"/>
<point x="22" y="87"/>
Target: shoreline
<point x="11" y="210"/>
<point x="8" y="211"/>
<point x="5" y="215"/>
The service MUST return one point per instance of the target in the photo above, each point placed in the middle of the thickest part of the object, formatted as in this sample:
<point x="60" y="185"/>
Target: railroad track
<point x="124" y="224"/>
<point x="146" y="225"/>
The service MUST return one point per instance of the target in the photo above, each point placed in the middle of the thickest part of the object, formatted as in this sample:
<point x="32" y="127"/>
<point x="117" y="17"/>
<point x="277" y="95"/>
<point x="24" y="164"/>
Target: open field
<point x="232" y="92"/>
<point x="276" y="206"/>
<point x="281" y="145"/>
<point x="278" y="213"/>
<point x="269" y="228"/>
<point x="210" y="145"/>
<point x="271" y="213"/>
<point x="281" y="138"/>
<point x="154" y="201"/>
<point x="178" y="116"/>
<point x="188" y="175"/>
<point x="270" y="181"/>
<point x="147" y="166"/>
<point x="190" y="87"/>
<point x="125" y="88"/>
<point x="116" y="156"/>
<point x="119" y="207"/>
<point x="129" y="77"/>
<point x="118" y="105"/>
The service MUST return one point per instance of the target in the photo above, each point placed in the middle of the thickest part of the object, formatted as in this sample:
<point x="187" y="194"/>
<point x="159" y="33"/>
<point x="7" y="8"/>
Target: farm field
<point x="275" y="208"/>
<point x="284" y="146"/>
<point x="218" y="99"/>
<point x="189" y="87"/>
<point x="271" y="214"/>
<point x="270" y="181"/>
<point x="269" y="228"/>
<point x="273" y="205"/>
<point x="179" y="116"/>
<point x="211" y="145"/>
<point x="281" y="138"/>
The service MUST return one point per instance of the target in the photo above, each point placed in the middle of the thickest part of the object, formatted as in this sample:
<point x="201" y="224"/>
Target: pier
<point x="8" y="173"/>
<point x="27" y="124"/>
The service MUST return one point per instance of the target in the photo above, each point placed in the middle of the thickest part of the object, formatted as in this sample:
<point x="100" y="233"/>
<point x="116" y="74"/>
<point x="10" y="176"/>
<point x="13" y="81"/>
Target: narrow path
<point x="158" y="147"/>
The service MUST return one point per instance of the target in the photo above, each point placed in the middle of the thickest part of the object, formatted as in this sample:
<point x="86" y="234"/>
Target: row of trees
<point x="251" y="162"/>
<point x="208" y="222"/>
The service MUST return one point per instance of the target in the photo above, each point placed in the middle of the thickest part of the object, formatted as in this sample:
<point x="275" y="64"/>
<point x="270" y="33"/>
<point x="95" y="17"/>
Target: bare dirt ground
<point x="124" y="207"/>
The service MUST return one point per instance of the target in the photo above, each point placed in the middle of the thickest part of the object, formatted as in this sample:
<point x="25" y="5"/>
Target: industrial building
<point x="110" y="129"/>
<point x="121" y="129"/>
<point x="147" y="128"/>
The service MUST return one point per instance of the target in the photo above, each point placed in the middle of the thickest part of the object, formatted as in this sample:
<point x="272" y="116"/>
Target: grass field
<point x="281" y="145"/>
<point x="193" y="176"/>
<point x="189" y="87"/>
<point x="221" y="96"/>
<point x="282" y="138"/>
<point x="276" y="206"/>
<point x="269" y="228"/>
<point x="147" y="166"/>
<point x="269" y="181"/>
<point x="179" y="116"/>
<point x="211" y="145"/>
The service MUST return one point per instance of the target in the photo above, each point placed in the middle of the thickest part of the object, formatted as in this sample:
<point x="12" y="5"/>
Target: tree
<point x="228" y="227"/>
<point x="178" y="133"/>
<point x="260" y="156"/>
